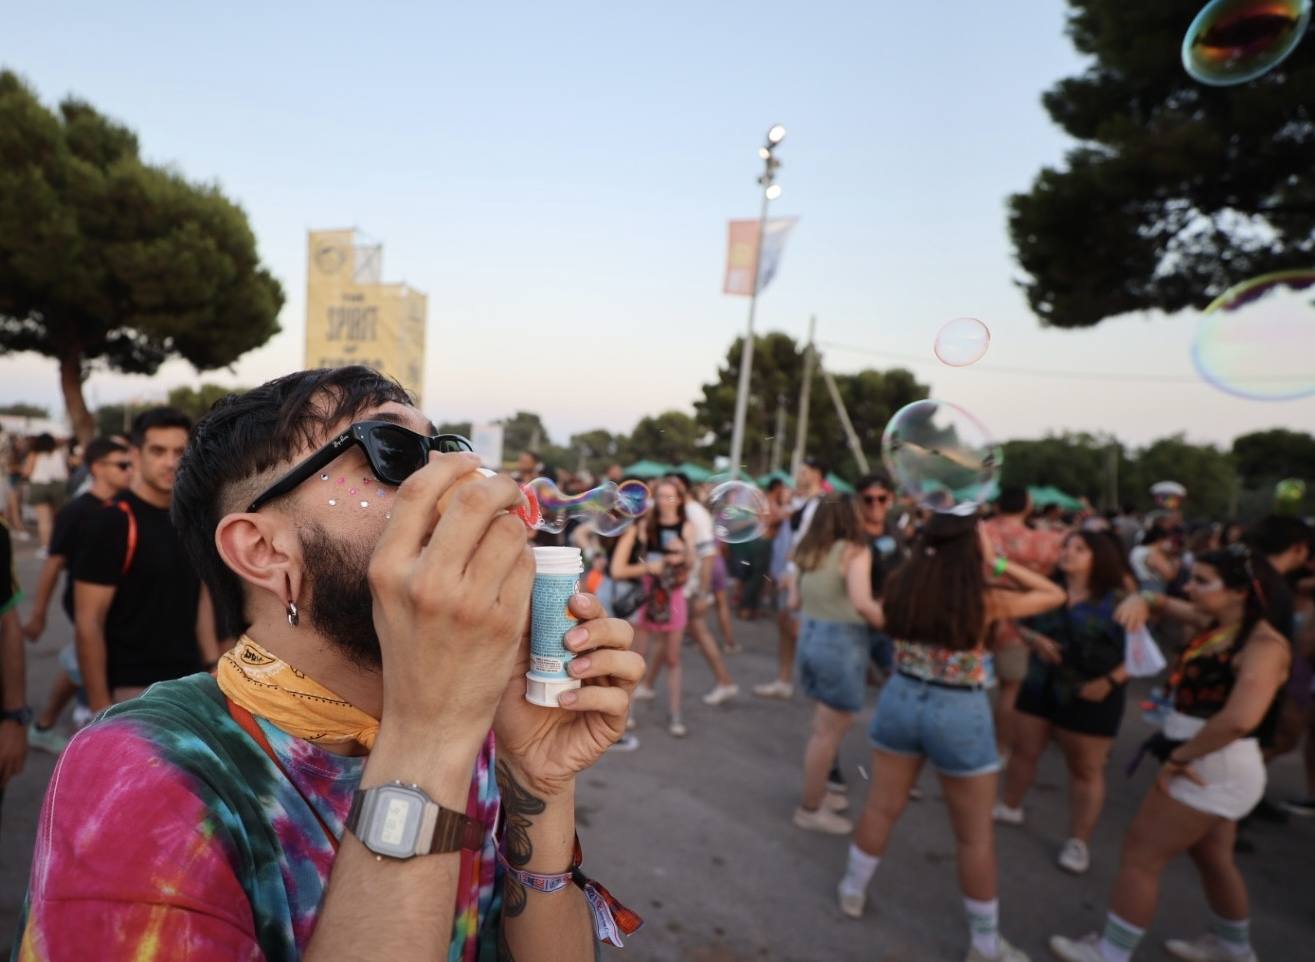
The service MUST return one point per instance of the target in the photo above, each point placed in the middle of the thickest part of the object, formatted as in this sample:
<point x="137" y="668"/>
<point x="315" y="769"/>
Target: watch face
<point x="395" y="822"/>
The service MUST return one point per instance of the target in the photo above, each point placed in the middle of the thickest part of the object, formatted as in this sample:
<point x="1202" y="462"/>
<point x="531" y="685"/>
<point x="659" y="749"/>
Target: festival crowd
<point x="244" y="615"/>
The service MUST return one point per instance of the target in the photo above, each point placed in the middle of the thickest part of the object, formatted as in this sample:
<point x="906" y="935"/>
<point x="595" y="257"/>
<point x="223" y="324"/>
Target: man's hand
<point x="13" y="750"/>
<point x="549" y="747"/>
<point x="451" y="599"/>
<point x="1046" y="648"/>
<point x="1096" y="690"/>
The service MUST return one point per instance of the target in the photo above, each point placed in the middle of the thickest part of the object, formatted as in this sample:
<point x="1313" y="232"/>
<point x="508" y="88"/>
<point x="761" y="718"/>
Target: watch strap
<point x="451" y="830"/>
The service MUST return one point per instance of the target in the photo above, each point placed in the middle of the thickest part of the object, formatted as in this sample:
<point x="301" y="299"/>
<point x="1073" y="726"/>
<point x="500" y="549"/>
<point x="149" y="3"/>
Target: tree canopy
<point x="107" y="259"/>
<point x="1176" y="191"/>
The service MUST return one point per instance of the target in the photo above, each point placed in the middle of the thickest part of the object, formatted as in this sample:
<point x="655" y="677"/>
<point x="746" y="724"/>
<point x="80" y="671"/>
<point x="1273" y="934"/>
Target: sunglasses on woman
<point x="394" y="452"/>
<point x="876" y="499"/>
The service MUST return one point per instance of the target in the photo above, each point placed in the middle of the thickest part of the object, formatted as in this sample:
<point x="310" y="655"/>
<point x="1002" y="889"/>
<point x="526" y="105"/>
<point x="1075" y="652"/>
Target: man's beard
<point x="342" y="608"/>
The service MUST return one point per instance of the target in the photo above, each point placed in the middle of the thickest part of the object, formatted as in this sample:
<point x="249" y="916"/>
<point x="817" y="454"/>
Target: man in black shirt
<point x="139" y="612"/>
<point x="876" y="495"/>
<point x="110" y="466"/>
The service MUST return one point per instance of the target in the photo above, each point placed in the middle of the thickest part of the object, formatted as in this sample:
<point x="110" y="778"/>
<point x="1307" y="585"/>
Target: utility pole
<point x="855" y="448"/>
<point x="778" y="440"/>
<point x="770" y="192"/>
<point x="801" y="428"/>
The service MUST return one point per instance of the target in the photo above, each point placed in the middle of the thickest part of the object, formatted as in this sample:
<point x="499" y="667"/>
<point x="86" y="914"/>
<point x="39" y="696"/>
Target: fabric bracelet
<point x="611" y="919"/>
<point x="1001" y="563"/>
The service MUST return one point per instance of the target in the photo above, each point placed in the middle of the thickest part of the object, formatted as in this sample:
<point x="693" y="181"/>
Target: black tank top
<point x="1205" y="675"/>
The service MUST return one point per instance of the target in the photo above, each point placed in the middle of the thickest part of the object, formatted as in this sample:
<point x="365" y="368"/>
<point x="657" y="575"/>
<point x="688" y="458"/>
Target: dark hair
<point x="98" y="449"/>
<point x="1277" y="533"/>
<point x="817" y="464"/>
<point x="162" y="417"/>
<point x="533" y="454"/>
<point x="241" y="441"/>
<point x="874" y="478"/>
<point x="1240" y="569"/>
<point x="683" y="478"/>
<point x="1107" y="568"/>
<point x="836" y="519"/>
<point x="43" y="443"/>
<point x="651" y="529"/>
<point x="938" y="596"/>
<point x="1012" y="500"/>
<point x="774" y="484"/>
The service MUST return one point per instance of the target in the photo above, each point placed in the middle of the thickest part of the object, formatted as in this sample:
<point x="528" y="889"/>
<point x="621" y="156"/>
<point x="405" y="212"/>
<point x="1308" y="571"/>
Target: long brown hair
<point x="836" y="519"/>
<point x="937" y="596"/>
<point x="651" y="529"/>
<point x="1106" y="565"/>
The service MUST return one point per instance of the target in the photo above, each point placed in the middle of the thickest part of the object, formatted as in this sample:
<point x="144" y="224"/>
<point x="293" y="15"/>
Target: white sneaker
<point x="643" y="693"/>
<point x="851" y="903"/>
<point x="775" y="689"/>
<point x="677" y="728"/>
<point x="1007" y="953"/>
<point x="720" y="694"/>
<point x="1207" y="948"/>
<point x="823" y="820"/>
<point x="631" y="724"/>
<point x="1085" y="949"/>
<point x="626" y="743"/>
<point x="1074" y="857"/>
<point x="1010" y="816"/>
<point x="836" y="801"/>
<point x="46" y="741"/>
<point x="82" y="716"/>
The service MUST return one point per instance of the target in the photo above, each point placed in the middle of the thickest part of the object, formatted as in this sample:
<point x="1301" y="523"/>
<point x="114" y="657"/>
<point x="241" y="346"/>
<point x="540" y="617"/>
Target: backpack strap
<point x="132" y="535"/>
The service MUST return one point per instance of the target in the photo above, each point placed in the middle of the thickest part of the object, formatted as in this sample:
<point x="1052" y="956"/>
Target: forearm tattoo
<point x="519" y="808"/>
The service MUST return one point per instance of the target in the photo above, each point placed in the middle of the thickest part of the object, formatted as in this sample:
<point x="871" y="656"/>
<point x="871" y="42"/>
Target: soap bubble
<point x="633" y="498"/>
<point x="1257" y="340"/>
<point x="739" y="511"/>
<point x="962" y="341"/>
<point x="1233" y="41"/>
<point x="941" y="455"/>
<point x="599" y="508"/>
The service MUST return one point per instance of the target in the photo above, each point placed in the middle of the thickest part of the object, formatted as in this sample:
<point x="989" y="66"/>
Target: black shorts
<point x="1045" y="695"/>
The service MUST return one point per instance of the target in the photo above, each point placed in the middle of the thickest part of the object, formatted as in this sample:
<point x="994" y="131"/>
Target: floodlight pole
<point x="770" y="164"/>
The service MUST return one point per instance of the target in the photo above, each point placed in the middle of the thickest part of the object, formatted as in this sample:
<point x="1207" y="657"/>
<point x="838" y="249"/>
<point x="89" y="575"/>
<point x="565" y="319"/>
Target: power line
<point x="1124" y="376"/>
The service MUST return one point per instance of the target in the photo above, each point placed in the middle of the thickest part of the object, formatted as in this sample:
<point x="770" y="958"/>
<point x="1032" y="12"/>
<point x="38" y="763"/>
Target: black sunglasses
<point x="394" y="452"/>
<point x="876" y="499"/>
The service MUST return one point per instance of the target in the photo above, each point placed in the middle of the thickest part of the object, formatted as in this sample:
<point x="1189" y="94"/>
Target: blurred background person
<point x="46" y="472"/>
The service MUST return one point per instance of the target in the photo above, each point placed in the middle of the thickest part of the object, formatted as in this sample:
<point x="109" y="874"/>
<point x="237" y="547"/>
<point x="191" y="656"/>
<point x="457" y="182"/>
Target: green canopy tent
<point x="647" y="469"/>
<point x="840" y="485"/>
<point x="695" y="472"/>
<point x="1046" y="495"/>
<point x="767" y="479"/>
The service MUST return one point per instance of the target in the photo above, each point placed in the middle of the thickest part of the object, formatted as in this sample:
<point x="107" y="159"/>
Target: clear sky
<point x="557" y="178"/>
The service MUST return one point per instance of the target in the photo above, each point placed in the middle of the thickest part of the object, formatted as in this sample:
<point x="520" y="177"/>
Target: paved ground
<point x="696" y="836"/>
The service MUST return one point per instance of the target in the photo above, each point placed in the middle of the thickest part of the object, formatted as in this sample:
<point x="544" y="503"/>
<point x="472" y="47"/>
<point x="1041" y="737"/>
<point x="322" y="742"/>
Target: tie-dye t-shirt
<point x="167" y="833"/>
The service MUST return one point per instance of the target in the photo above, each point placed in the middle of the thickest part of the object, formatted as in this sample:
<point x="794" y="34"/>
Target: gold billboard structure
<point x="354" y="318"/>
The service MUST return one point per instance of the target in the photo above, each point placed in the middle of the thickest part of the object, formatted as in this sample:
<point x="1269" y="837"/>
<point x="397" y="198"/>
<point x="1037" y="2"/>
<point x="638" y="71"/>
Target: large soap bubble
<point x="600" y="508"/>
<point x="739" y="511"/>
<point x="941" y="455"/>
<point x="962" y="341"/>
<point x="1257" y="340"/>
<point x="1233" y="41"/>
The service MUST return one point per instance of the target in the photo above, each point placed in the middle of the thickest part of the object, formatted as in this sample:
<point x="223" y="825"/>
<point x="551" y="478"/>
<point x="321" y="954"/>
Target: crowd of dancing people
<point x="990" y="632"/>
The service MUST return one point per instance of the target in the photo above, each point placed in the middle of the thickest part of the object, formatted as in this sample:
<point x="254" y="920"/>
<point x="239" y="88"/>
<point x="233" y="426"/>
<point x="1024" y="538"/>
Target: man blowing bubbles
<point x="380" y="643"/>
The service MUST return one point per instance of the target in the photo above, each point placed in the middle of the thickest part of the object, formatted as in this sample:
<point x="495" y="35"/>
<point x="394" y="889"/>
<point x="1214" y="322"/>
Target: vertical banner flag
<point x="354" y="318"/>
<point x="742" y="253"/>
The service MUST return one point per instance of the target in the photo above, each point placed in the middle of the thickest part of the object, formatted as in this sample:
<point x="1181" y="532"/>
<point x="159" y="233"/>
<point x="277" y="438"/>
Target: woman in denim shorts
<point x="835" y="592"/>
<point x="934" y="708"/>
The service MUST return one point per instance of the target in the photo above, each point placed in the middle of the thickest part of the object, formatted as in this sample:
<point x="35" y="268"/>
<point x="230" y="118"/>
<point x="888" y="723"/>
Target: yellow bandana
<point x="270" y="688"/>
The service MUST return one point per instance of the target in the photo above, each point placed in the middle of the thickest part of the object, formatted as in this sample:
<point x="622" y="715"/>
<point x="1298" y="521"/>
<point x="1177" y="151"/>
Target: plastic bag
<point x="1141" y="655"/>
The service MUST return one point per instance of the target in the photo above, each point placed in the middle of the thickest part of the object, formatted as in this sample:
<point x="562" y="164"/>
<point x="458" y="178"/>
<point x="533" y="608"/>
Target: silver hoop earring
<point x="293" y="615"/>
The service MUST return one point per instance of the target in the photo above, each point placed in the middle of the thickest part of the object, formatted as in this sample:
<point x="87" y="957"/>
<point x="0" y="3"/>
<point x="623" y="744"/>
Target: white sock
<point x="1233" y="934"/>
<point x="984" y="925"/>
<point x="1119" y="940"/>
<point x="858" y="873"/>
